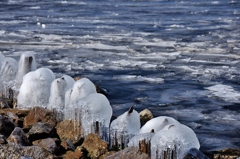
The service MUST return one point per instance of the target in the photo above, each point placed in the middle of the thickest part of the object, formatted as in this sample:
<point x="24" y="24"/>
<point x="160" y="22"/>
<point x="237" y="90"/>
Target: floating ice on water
<point x="225" y="92"/>
<point x="124" y="127"/>
<point x="57" y="95"/>
<point x="173" y="141"/>
<point x="7" y="74"/>
<point x="157" y="124"/>
<point x="27" y="63"/>
<point x="35" y="88"/>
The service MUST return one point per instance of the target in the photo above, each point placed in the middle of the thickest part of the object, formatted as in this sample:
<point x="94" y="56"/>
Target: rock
<point x="19" y="137"/>
<point x="40" y="131"/>
<point x="194" y="153"/>
<point x="68" y="129"/>
<point x="3" y="139"/>
<point x="129" y="153"/>
<point x="145" y="116"/>
<point x="49" y="144"/>
<point x="107" y="154"/>
<point x="6" y="125"/>
<point x="20" y="113"/>
<point x="95" y="146"/>
<point x="4" y="104"/>
<point x="227" y="154"/>
<point x="15" y="151"/>
<point x="68" y="145"/>
<point x="13" y="117"/>
<point x="79" y="153"/>
<point x="38" y="114"/>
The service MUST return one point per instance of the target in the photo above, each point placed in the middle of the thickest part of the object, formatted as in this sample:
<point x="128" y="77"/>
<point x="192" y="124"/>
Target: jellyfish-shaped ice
<point x="96" y="115"/>
<point x="57" y="95"/>
<point x="7" y="74"/>
<point x="35" y="88"/>
<point x="27" y="63"/>
<point x="173" y="141"/>
<point x="70" y="81"/>
<point x="124" y="127"/>
<point x="81" y="89"/>
<point x="157" y="124"/>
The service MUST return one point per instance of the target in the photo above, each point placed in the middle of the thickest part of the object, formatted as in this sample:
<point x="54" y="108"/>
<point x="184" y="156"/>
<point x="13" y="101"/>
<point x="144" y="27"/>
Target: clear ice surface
<point x="35" y="88"/>
<point x="173" y="141"/>
<point x="157" y="124"/>
<point x="124" y="127"/>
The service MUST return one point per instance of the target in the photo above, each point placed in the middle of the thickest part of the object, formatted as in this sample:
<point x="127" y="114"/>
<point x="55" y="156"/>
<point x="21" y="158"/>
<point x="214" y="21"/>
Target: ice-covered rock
<point x="7" y="74"/>
<point x="57" y="97"/>
<point x="124" y="127"/>
<point x="27" y="63"/>
<point x="157" y="124"/>
<point x="35" y="88"/>
<point x="96" y="115"/>
<point x="173" y="141"/>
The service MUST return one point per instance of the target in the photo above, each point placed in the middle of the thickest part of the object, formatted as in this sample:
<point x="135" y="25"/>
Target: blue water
<point x="160" y="55"/>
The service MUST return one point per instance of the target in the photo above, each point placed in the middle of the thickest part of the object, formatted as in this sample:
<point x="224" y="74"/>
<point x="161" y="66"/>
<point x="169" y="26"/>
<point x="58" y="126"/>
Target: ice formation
<point x="124" y="127"/>
<point x="82" y="88"/>
<point x="57" y="97"/>
<point x="173" y="141"/>
<point x="27" y="63"/>
<point x="2" y="58"/>
<point x="96" y="114"/>
<point x="7" y="74"/>
<point x="70" y="81"/>
<point x="35" y="88"/>
<point x="157" y="124"/>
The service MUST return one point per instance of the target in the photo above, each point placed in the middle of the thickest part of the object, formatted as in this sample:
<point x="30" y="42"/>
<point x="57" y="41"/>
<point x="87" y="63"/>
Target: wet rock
<point x="51" y="145"/>
<point x="145" y="116"/>
<point x="19" y="137"/>
<point x="79" y="153"/>
<point x="38" y="114"/>
<point x="194" y="153"/>
<point x="3" y="139"/>
<point x="20" y="113"/>
<point x="129" y="153"/>
<point x="68" y="129"/>
<point x="68" y="145"/>
<point x="95" y="146"/>
<point x="4" y="104"/>
<point x="15" y="151"/>
<point x="6" y="125"/>
<point x="40" y="131"/>
<point x="227" y="154"/>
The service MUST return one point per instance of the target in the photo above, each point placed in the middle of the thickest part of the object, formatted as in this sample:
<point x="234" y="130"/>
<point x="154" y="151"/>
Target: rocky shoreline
<point x="36" y="134"/>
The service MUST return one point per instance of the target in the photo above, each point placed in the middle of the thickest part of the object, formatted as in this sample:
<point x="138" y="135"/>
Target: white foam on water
<point x="139" y="78"/>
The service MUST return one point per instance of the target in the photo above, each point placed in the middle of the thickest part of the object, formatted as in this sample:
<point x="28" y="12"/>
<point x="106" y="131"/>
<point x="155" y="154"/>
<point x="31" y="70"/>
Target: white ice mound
<point x="57" y="97"/>
<point x="173" y="141"/>
<point x="7" y="74"/>
<point x="96" y="115"/>
<point x="144" y="138"/>
<point x="2" y="58"/>
<point x="27" y="63"/>
<point x="35" y="88"/>
<point x="157" y="124"/>
<point x="82" y="88"/>
<point x="124" y="127"/>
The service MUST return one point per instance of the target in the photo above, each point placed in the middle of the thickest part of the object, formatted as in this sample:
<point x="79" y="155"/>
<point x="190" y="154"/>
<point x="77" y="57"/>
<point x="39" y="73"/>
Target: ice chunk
<point x="57" y="97"/>
<point x="35" y="88"/>
<point x="124" y="127"/>
<point x="27" y="63"/>
<point x="157" y="124"/>
<point x="7" y="74"/>
<point x="173" y="141"/>
<point x="82" y="88"/>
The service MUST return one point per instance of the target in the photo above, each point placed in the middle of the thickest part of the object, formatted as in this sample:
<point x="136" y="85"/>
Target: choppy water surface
<point x="177" y="58"/>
